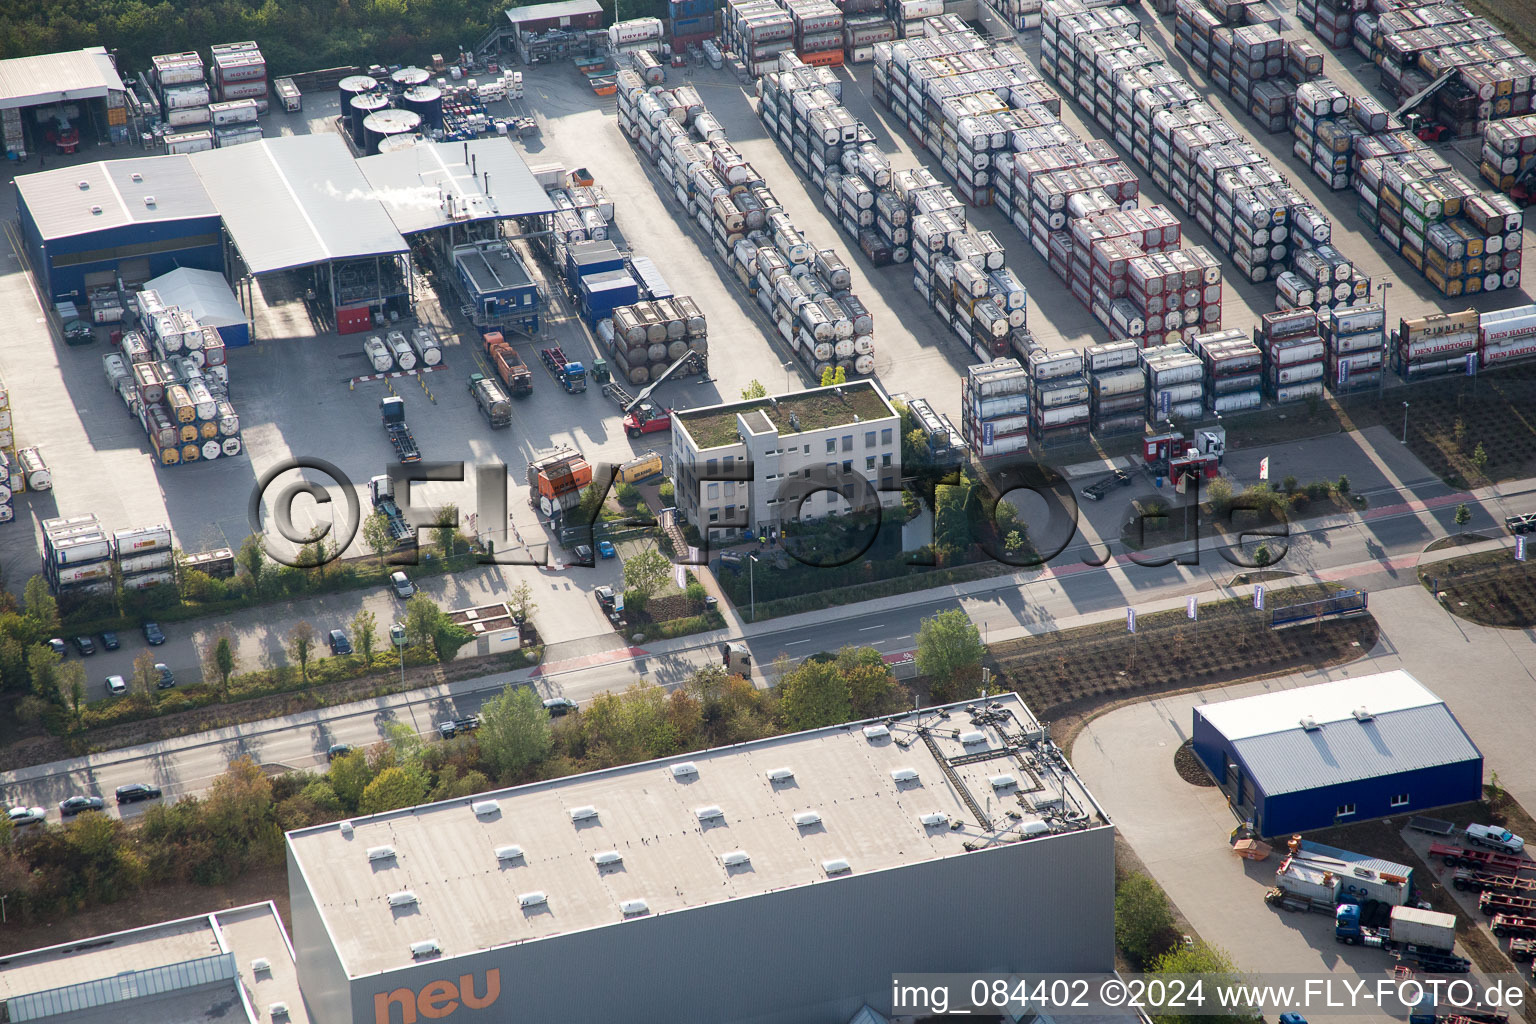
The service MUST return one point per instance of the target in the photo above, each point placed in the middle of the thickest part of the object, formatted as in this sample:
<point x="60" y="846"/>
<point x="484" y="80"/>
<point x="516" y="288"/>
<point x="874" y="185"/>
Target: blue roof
<point x="1296" y="759"/>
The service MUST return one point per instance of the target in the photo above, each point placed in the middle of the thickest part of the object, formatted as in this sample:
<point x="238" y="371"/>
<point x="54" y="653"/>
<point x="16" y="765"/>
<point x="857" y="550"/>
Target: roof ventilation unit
<point x="904" y="775"/>
<point x="735" y="859"/>
<point x="1309" y="724"/>
<point x="426" y="947"/>
<point x="84" y="185"/>
<point x="936" y="820"/>
<point x="1362" y="715"/>
<point x="634" y="908"/>
<point x="973" y="738"/>
<point x="583" y="813"/>
<point x="684" y="769"/>
<point x="346" y="829"/>
<point x="136" y="176"/>
<point x="836" y="867"/>
<point x="706" y="813"/>
<point x="278" y="1010"/>
<point x="376" y="853"/>
<point x="149" y="201"/>
<point x="1004" y="782"/>
<point x="404" y="898"/>
<point x="509" y="853"/>
<point x="780" y="774"/>
<point x="532" y="899"/>
<point x="485" y="808"/>
<point x="805" y="819"/>
<point x="96" y="210"/>
<point x="876" y="732"/>
<point x="261" y="965"/>
<point x="607" y="858"/>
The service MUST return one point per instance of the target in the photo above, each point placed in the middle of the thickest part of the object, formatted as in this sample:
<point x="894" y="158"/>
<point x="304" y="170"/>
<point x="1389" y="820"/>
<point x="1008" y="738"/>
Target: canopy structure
<point x="57" y="78"/>
<point x="438" y="185"/>
<point x="207" y="296"/>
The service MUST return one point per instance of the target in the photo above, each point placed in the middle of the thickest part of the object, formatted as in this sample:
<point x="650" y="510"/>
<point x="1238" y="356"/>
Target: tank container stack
<point x="1059" y="397"/>
<point x="758" y="31"/>
<point x="818" y="31"/>
<point x="1248" y="61"/>
<point x="1326" y="121"/>
<point x="636" y="35"/>
<point x="861" y="32"/>
<point x="1435" y="345"/>
<point x="172" y="376"/>
<point x="994" y="408"/>
<point x="1233" y="370"/>
<point x="182" y="90"/>
<point x="582" y="213"/>
<point x="238" y="74"/>
<point x="1117" y="387"/>
<point x="1293" y="354"/>
<point x="77" y="557"/>
<point x="1332" y="20"/>
<point x="804" y="288"/>
<point x="144" y="556"/>
<point x="645" y="338"/>
<point x="1355" y="338"/>
<point x="1509" y="149"/>
<point x="1175" y="382"/>
<point x="1506" y="336"/>
<point x="1252" y="212"/>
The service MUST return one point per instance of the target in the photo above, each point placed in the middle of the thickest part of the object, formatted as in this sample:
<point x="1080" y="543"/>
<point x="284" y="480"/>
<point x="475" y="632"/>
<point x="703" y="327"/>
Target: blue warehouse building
<point x="86" y="226"/>
<point x="1315" y="756"/>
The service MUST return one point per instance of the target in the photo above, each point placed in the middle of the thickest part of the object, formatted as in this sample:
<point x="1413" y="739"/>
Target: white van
<point x="1493" y="835"/>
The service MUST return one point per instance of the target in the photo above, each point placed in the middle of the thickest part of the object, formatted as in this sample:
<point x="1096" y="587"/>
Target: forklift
<point x="1423" y="127"/>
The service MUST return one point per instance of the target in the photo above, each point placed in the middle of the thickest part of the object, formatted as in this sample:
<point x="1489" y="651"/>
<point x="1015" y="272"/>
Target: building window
<point x="869" y="439"/>
<point x="885" y="436"/>
<point x="714" y="517"/>
<point x="1401" y="800"/>
<point x="730" y="460"/>
<point x="712" y="467"/>
<point x="869" y="462"/>
<point x="831" y="444"/>
<point x="885" y="460"/>
<point x="712" y="491"/>
<point x="1345" y="811"/>
<point x="847" y="466"/>
<point x="847" y="442"/>
<point x="730" y="489"/>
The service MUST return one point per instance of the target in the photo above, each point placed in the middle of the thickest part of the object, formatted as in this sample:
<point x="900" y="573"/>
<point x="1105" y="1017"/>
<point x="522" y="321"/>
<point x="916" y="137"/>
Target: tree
<point x="813" y="694"/>
<point x="376" y="535"/>
<point x="1480" y="459"/>
<point x="1216" y="967"/>
<point x="392" y="788"/>
<point x="1463" y="514"/>
<point x="949" y="652"/>
<point x="145" y="678"/>
<point x="646" y="573"/>
<point x="635" y="725"/>
<point x="71" y="683"/>
<point x="833" y="376"/>
<point x="1144" y="926"/>
<point x="350" y="775"/>
<point x="301" y="644"/>
<point x="252" y="557"/>
<point x="514" y="731"/>
<point x="365" y="635"/>
<point x="452" y="786"/>
<point x="447" y="526"/>
<point x="43" y="664"/>
<point x="1343" y="485"/>
<point x="224" y="660"/>
<point x="405" y="742"/>
<point x="1459" y="432"/>
<point x="40" y="606"/>
<point x="871" y="686"/>
<point x="521" y="601"/>
<point x="753" y="390"/>
<point x="429" y="627"/>
<point x="1262" y="556"/>
<point x="591" y="506"/>
<point x="1288" y="484"/>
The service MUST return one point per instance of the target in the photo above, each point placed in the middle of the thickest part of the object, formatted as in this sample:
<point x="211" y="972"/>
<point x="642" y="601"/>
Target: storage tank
<point x="407" y="78"/>
<point x="395" y="143"/>
<point x="359" y="109"/>
<point x="355" y="85"/>
<point x="424" y="343"/>
<point x="388" y="123"/>
<point x="401" y="349"/>
<point x="426" y="101"/>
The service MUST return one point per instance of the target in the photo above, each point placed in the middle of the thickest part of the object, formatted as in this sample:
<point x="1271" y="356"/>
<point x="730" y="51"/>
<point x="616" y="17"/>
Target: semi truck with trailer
<point x="382" y="491"/>
<point x="491" y="399"/>
<point x="1425" y="937"/>
<point x="392" y="412"/>
<point x="570" y="374"/>
<point x="508" y="365"/>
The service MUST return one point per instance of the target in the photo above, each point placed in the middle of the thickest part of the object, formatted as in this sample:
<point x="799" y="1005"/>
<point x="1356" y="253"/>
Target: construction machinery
<point x="1425" y="129"/>
<point x="641" y="416"/>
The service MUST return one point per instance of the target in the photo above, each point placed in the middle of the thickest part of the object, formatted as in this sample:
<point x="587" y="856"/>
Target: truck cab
<point x="647" y="419"/>
<point x="736" y="659"/>
<point x="1212" y="441"/>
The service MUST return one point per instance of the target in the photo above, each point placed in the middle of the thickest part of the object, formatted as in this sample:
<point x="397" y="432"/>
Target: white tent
<point x="206" y="295"/>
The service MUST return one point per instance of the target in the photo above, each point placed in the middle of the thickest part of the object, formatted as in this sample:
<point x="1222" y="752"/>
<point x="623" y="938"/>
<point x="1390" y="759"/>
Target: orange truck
<point x="508" y="365"/>
<point x="556" y="480"/>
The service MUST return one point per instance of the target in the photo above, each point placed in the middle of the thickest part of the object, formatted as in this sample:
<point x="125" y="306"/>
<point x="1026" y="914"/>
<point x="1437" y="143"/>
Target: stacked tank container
<point x="1249" y="62"/>
<point x="239" y="72"/>
<point x="1355" y="338"/>
<point x="1509" y="149"/>
<point x="181" y="89"/>
<point x="1506" y="336"/>
<point x="144" y="556"/>
<point x="758" y="31"/>
<point x="1332" y="20"/>
<point x="994" y="408"/>
<point x="1326" y="121"/>
<point x="1175" y="382"/>
<point x="860" y="34"/>
<point x="1293" y="354"/>
<point x="818" y="31"/>
<point x="803" y="288"/>
<point x="1117" y="387"/>
<point x="77" y="557"/>
<point x="645" y="338"/>
<point x="963" y="275"/>
<point x="1059" y="397"/>
<point x="1321" y="278"/>
<point x="1233" y="370"/>
<point x="1434" y="345"/>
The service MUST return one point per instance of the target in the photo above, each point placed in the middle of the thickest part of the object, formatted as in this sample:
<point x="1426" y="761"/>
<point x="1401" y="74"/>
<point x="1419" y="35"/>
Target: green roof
<point x="817" y="409"/>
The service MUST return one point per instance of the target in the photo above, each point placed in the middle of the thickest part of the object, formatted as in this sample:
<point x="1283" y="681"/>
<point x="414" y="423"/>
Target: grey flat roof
<point x="558" y="9"/>
<point x="430" y="184"/>
<point x="57" y="77"/>
<point x="119" y="189"/>
<point x="295" y="201"/>
<point x="672" y="854"/>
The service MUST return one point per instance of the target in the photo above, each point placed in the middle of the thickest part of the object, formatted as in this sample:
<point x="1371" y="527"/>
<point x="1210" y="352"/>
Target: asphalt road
<point x="1378" y="551"/>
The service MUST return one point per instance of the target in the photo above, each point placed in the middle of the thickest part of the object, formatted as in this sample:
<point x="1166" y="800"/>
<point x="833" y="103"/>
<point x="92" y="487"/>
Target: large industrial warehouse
<point x="776" y="881"/>
<point x="1337" y="752"/>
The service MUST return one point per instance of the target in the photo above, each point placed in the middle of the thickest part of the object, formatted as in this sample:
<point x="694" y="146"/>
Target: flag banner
<point x="1264" y="468"/>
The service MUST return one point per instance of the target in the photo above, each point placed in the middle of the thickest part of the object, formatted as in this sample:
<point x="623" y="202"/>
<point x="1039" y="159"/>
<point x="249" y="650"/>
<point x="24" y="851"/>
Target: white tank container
<point x="425" y="344"/>
<point x="378" y="354"/>
<point x="39" y="477"/>
<point x="142" y="539"/>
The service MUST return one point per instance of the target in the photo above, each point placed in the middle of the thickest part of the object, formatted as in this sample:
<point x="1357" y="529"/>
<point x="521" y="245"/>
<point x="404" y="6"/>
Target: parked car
<point x="557" y="706"/>
<point x="109" y="641"/>
<point x="339" y="642"/>
<point x="85" y="645"/>
<point x="454" y="726"/>
<point x="1493" y="835"/>
<point x="136" y="791"/>
<point x="116" y="686"/>
<point x="336" y="750"/>
<point x="57" y="647"/>
<point x="606" y="549"/>
<point x="401" y="584"/>
<point x="167" y="678"/>
<point x="605" y="598"/>
<point x="24" y="816"/>
<point x="71" y="806"/>
<point x="152" y="634"/>
<point x="583" y="554"/>
<point x="397" y="635"/>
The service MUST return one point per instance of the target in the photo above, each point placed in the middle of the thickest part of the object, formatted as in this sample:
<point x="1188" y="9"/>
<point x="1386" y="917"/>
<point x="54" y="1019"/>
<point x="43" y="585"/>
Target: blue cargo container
<point x="604" y="292"/>
<point x="651" y="282"/>
<point x="698" y="25"/>
<point x="585" y="258"/>
<point x="683" y="9"/>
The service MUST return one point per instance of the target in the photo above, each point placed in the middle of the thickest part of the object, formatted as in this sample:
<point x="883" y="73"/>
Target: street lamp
<point x="397" y="637"/>
<point x="752" y="582"/>
<point x="1386" y="328"/>
<point x="1405" y="423"/>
